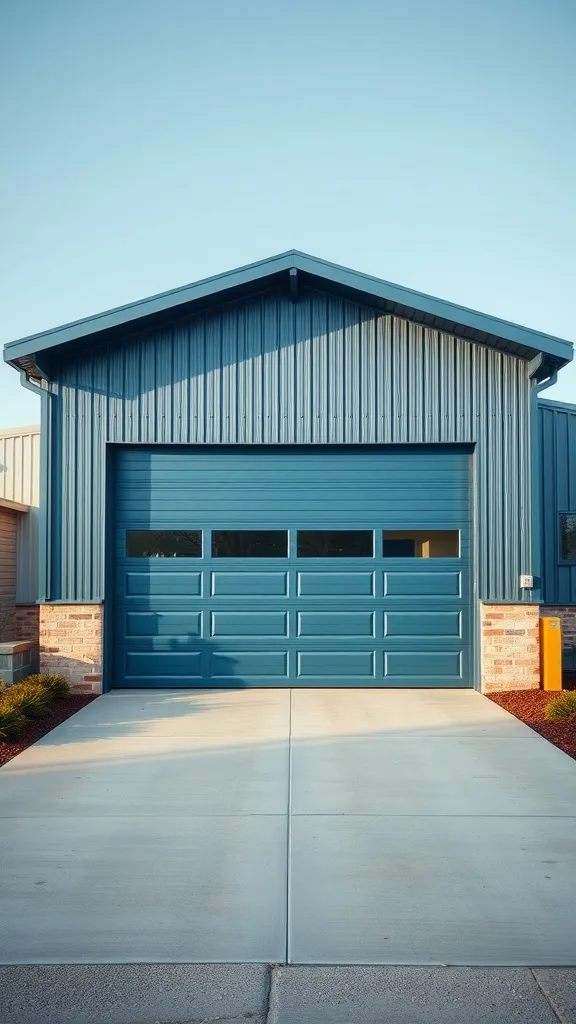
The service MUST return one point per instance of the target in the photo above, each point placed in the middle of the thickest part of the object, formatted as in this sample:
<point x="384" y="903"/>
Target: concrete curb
<point x="296" y="994"/>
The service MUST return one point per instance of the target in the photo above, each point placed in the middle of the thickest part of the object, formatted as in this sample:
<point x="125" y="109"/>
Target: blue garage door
<point x="291" y="567"/>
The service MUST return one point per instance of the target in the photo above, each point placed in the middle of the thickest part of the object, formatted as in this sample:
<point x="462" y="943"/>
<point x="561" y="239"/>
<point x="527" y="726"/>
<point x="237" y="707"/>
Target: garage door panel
<point x="427" y="664"/>
<point x="336" y="664"/>
<point x="164" y="623"/>
<point x="159" y="663"/>
<point x="446" y="583"/>
<point x="336" y="624"/>
<point x="422" y="624"/>
<point x="159" y="584"/>
<point x="251" y="664"/>
<point x="249" y="584"/>
<point x="318" y="610"/>
<point x="247" y="624"/>
<point x="336" y="584"/>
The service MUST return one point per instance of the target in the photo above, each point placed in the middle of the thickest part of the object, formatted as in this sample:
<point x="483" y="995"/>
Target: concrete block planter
<point x="18" y="659"/>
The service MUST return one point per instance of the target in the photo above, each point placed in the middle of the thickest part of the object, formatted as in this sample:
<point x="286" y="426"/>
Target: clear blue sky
<point x="148" y="144"/>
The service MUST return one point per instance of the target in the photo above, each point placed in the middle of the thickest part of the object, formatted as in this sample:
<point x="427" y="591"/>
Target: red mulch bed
<point x="58" y="713"/>
<point x="528" y="706"/>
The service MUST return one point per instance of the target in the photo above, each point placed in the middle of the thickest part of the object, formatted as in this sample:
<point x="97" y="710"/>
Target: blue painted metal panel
<point x="291" y="621"/>
<point x="322" y="371"/>
<point x="557" y="432"/>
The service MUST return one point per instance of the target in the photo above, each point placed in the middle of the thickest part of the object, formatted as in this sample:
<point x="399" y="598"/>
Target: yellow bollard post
<point x="551" y="653"/>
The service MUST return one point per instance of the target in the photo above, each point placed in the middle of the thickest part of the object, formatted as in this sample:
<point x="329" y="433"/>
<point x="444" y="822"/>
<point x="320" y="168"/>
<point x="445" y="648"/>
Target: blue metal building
<point x="290" y="474"/>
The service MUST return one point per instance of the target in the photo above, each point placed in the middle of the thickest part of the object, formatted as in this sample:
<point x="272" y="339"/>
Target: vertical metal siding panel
<point x="562" y="500"/>
<point x="368" y="378"/>
<point x="550" y="539"/>
<point x="570" y="464"/>
<point x="352" y="394"/>
<point x="336" y="370"/>
<point x="385" y="408"/>
<point x="304" y="372"/>
<point x="557" y="432"/>
<point x="417" y="365"/>
<point x="115" y="404"/>
<point x="212" y="369"/>
<point x="562" y="477"/>
<point x="271" y="370"/>
<point x="401" y="410"/>
<point x="79" y="541"/>
<point x="445" y="386"/>
<point x="93" y="580"/>
<point x="519" y="443"/>
<point x="494" y="496"/>
<point x="197" y="355"/>
<point x="244" y="412"/>
<point x="164" y="377"/>
<point x="319" y="390"/>
<point x="178" y="429"/>
<point x="571" y="460"/>
<point x="510" y="551"/>
<point x="464" y="411"/>
<point x="131" y="392"/>
<point x="484" y="524"/>
<point x="147" y="419"/>
<point x="287" y="371"/>
<point x="64" y="587"/>
<point x="428" y="372"/>
<point x="228" y="376"/>
<point x="254" y="335"/>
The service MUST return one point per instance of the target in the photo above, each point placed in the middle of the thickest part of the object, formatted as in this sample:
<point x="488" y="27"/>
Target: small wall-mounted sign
<point x="526" y="582"/>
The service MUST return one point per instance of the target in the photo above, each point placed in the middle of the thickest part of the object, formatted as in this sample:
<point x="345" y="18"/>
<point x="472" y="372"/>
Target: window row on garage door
<point x="186" y="543"/>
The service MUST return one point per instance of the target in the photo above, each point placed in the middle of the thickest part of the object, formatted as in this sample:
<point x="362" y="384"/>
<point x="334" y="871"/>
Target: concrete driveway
<point x="308" y="826"/>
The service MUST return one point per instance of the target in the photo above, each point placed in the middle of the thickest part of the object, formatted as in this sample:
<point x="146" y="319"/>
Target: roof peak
<point x="289" y="267"/>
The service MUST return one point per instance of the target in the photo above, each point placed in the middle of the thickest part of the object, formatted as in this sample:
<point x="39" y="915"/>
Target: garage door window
<point x="249" y="543"/>
<point x="421" y="544"/>
<point x="164" y="543"/>
<point x="335" y="544"/>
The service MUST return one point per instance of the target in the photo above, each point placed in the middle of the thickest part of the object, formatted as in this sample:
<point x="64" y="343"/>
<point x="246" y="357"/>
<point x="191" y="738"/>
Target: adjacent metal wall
<point x="268" y="371"/>
<point x="557" y="429"/>
<point x="20" y="481"/>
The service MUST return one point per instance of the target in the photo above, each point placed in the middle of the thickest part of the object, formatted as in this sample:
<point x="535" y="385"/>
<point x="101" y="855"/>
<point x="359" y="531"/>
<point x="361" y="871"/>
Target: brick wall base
<point x="71" y="644"/>
<point x="510" y="647"/>
<point x="27" y="622"/>
<point x="567" y="615"/>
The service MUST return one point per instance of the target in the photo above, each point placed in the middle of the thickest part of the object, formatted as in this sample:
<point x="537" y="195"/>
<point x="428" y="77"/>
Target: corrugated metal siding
<point x="20" y="481"/>
<point x="7" y="563"/>
<point x="557" y="426"/>
<point x="267" y="371"/>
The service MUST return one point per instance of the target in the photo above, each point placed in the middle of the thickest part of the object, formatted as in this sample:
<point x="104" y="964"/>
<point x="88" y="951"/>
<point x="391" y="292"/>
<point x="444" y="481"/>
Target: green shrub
<point x="12" y="721"/>
<point x="562" y="708"/>
<point x="56" y="685"/>
<point x="30" y="699"/>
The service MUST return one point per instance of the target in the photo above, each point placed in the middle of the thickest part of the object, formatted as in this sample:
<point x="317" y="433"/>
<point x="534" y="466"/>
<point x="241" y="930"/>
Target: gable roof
<point x="292" y="269"/>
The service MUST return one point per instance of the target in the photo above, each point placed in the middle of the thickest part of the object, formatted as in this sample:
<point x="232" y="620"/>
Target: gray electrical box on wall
<point x="526" y="583"/>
